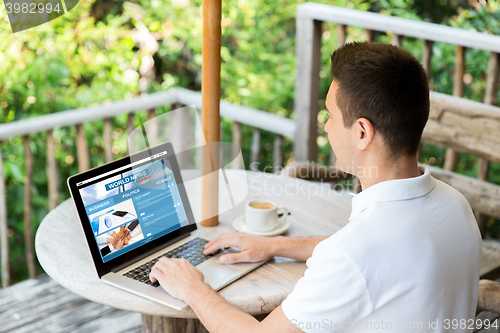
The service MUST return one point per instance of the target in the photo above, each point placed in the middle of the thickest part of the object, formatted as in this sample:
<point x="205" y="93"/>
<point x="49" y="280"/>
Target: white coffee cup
<point x="262" y="215"/>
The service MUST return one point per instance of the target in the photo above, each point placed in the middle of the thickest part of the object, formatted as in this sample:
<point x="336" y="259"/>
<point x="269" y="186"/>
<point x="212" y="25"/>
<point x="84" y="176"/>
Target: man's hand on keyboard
<point x="253" y="248"/>
<point x="178" y="277"/>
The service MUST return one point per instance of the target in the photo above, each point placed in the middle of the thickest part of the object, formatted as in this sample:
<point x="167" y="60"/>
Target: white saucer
<point x="240" y="225"/>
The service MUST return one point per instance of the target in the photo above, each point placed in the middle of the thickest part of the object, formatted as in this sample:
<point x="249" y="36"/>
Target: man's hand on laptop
<point x="179" y="278"/>
<point x="184" y="281"/>
<point x="253" y="248"/>
<point x="256" y="248"/>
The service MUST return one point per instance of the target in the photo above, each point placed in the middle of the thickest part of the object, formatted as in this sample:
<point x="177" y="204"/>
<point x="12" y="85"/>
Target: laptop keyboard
<point x="192" y="251"/>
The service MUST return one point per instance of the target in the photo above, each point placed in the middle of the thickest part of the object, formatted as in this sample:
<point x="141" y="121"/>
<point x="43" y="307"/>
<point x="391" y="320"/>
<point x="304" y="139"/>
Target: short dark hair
<point x="386" y="85"/>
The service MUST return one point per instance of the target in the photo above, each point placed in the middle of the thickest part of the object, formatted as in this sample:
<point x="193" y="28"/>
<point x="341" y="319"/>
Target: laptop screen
<point x="132" y="205"/>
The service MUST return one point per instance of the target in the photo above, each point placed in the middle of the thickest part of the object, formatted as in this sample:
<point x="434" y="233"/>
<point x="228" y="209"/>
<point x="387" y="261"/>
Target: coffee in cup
<point x="262" y="215"/>
<point x="261" y="205"/>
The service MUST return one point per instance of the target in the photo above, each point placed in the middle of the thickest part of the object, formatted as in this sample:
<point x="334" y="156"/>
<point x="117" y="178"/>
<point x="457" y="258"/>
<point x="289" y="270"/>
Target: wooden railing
<point x="260" y="120"/>
<point x="310" y="17"/>
<point x="472" y="138"/>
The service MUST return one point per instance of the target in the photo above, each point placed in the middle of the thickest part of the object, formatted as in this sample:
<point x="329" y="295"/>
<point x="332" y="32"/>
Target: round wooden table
<point x="315" y="209"/>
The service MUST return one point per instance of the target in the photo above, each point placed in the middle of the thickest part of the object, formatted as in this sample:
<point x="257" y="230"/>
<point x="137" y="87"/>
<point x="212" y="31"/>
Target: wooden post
<point x="426" y="59"/>
<point x="308" y="49"/>
<point x="130" y="123"/>
<point x="221" y="147"/>
<point x="4" y="239"/>
<point x="108" y="142"/>
<point x="82" y="149"/>
<point x="237" y="144"/>
<point x="426" y="63"/>
<point x="210" y="110"/>
<point x="255" y="149"/>
<point x="369" y="35"/>
<point x="152" y="130"/>
<point x="28" y="238"/>
<point x="396" y="39"/>
<point x="451" y="158"/>
<point x="199" y="139"/>
<point x="52" y="172"/>
<point x="492" y="79"/>
<point x="277" y="155"/>
<point x="482" y="174"/>
<point x="458" y="78"/>
<point x="180" y="135"/>
<point x="490" y="97"/>
<point x="341" y="34"/>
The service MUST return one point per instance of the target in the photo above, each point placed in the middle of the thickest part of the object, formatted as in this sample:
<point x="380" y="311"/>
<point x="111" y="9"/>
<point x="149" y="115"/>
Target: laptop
<point x="135" y="210"/>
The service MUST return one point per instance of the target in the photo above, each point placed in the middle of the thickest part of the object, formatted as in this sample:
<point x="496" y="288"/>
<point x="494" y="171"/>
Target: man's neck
<point x="405" y="167"/>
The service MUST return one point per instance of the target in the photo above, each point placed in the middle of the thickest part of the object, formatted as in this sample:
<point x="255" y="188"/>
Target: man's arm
<point x="255" y="248"/>
<point x="300" y="248"/>
<point x="182" y="280"/>
<point x="219" y="316"/>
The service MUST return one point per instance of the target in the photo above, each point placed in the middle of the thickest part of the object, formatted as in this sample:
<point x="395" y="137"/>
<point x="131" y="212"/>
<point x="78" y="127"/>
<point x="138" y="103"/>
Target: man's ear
<point x="364" y="133"/>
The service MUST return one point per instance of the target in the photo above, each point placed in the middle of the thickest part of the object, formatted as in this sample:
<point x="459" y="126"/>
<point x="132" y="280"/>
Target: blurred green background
<point x="93" y="55"/>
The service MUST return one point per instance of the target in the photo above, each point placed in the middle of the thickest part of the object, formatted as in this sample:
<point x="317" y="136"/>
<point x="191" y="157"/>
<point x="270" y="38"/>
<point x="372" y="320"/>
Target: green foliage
<point x="93" y="55"/>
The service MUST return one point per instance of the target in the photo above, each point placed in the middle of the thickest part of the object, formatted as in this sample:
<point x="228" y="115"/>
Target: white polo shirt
<point x="408" y="260"/>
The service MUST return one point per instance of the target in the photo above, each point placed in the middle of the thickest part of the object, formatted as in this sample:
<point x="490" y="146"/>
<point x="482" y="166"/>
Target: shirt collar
<point x="394" y="190"/>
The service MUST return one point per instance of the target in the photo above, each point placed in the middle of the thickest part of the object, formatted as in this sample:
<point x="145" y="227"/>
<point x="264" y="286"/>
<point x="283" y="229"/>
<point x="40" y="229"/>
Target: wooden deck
<point x="42" y="305"/>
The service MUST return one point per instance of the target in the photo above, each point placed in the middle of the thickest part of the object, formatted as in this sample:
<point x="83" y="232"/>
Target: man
<point x="409" y="257"/>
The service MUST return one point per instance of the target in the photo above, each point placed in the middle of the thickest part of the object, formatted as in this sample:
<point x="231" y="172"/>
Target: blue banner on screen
<point x="141" y="175"/>
<point x="124" y="215"/>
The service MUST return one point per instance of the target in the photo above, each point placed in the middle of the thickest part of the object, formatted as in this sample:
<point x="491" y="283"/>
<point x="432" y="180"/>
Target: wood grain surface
<point x="42" y="305"/>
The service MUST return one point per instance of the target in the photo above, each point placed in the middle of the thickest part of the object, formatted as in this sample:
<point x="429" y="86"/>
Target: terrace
<point x="456" y="123"/>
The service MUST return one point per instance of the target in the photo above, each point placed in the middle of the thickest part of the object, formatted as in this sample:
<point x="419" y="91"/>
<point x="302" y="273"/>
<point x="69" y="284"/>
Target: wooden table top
<point x="315" y="210"/>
